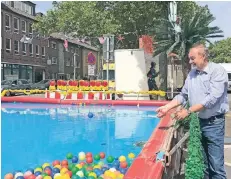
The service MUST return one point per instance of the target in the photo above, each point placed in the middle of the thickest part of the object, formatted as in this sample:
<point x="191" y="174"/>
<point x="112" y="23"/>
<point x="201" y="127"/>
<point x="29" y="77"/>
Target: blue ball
<point x="37" y="173"/>
<point x="20" y="177"/>
<point x="123" y="170"/>
<point x="90" y="115"/>
<point x="55" y="170"/>
<point x="104" y="169"/>
<point x="47" y="167"/>
<point x="74" y="159"/>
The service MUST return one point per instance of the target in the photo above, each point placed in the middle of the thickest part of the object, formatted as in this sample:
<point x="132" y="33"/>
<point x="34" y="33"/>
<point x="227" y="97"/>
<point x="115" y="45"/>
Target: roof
<point x="72" y="40"/>
<point x="6" y="7"/>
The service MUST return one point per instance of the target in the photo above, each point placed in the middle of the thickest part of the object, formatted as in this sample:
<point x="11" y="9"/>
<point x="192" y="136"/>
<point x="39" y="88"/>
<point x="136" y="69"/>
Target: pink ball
<point x="27" y="174"/>
<point x="39" y="177"/>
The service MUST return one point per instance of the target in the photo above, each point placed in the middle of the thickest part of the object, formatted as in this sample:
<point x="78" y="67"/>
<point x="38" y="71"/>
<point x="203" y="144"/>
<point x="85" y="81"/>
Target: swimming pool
<point x="33" y="134"/>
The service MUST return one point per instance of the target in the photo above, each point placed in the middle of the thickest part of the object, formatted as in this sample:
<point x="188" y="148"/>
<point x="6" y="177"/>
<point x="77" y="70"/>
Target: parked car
<point x="42" y="85"/>
<point x="19" y="84"/>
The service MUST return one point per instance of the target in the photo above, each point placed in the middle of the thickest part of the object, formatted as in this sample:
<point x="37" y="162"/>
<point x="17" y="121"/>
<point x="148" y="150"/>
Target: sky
<point x="220" y="9"/>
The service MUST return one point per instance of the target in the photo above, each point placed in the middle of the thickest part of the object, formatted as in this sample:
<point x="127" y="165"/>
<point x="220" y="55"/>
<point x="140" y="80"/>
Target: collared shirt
<point x="209" y="88"/>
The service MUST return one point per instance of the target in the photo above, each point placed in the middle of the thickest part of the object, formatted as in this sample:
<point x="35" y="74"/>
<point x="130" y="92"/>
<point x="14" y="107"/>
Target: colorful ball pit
<point x="90" y="166"/>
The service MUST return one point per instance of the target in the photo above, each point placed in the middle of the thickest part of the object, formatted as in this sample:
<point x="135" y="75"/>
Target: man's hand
<point x="180" y="115"/>
<point x="162" y="111"/>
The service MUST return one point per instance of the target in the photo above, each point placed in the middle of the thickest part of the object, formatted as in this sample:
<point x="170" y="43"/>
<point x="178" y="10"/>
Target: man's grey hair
<point x="204" y="50"/>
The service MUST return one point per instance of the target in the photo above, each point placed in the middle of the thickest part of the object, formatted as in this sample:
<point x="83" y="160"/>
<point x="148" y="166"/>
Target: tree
<point x="195" y="28"/>
<point x="92" y="19"/>
<point x="220" y="52"/>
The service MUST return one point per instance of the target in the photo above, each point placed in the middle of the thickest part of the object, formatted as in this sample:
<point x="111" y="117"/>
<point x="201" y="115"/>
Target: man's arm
<point x="180" y="98"/>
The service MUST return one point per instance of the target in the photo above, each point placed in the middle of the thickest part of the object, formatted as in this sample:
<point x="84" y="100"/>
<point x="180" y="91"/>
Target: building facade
<point x="21" y="60"/>
<point x="39" y="57"/>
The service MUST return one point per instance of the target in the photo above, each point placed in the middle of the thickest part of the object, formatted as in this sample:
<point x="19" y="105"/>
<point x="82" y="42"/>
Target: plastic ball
<point x="58" y="166"/>
<point x="120" y="176"/>
<point x="69" y="173"/>
<point x="55" y="170"/>
<point x="75" y="159"/>
<point x="44" y="174"/>
<point x="20" y="177"/>
<point x="18" y="174"/>
<point x="82" y="163"/>
<point x="45" y="165"/>
<point x="122" y="158"/>
<point x="97" y="166"/>
<point x="110" y="159"/>
<point x="9" y="176"/>
<point x="80" y="174"/>
<point x="82" y="156"/>
<point x="74" y="170"/>
<point x="88" y="154"/>
<point x="79" y="166"/>
<point x="75" y="177"/>
<point x="123" y="170"/>
<point x="38" y="169"/>
<point x="47" y="177"/>
<point x="47" y="171"/>
<point x="32" y="177"/>
<point x="97" y="157"/>
<point x="112" y="169"/>
<point x="90" y="115"/>
<point x="100" y="163"/>
<point x="123" y="165"/>
<point x="27" y="174"/>
<point x="39" y="177"/>
<point x="69" y="156"/>
<point x="89" y="168"/>
<point x="37" y="173"/>
<point x="89" y="159"/>
<point x="102" y="155"/>
<point x="131" y="156"/>
<point x="64" y="162"/>
<point x="63" y="171"/>
<point x="93" y="174"/>
<point x="56" y="162"/>
<point x="31" y="169"/>
<point x="56" y="175"/>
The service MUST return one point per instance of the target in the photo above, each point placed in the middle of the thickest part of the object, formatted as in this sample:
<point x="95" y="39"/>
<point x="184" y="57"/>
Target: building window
<point x="31" y="50"/>
<point x="8" y="45"/>
<point x="53" y="45"/>
<point x="54" y="60"/>
<point x="68" y="63"/>
<point x="7" y="22"/>
<point x="16" y="25"/>
<point x="24" y="48"/>
<point x="16" y="47"/>
<point x="37" y="50"/>
<point x="24" y="26"/>
<point x="43" y="52"/>
<point x="30" y="28"/>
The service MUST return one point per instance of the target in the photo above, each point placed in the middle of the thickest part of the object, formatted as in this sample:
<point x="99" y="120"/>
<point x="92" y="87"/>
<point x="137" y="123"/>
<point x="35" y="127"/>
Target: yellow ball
<point x="121" y="176"/>
<point x="92" y="174"/>
<point x="57" y="166"/>
<point x="82" y="157"/>
<point x="47" y="177"/>
<point x="80" y="174"/>
<point x="122" y="158"/>
<point x="38" y="170"/>
<point x="131" y="155"/>
<point x="107" y="173"/>
<point x="112" y="175"/>
<point x="97" y="166"/>
<point x="45" y="165"/>
<point x="66" y="176"/>
<point x="63" y="171"/>
<point x="57" y="176"/>
<point x="79" y="166"/>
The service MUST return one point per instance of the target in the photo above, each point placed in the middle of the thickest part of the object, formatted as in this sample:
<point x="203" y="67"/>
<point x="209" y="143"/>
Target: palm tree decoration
<point x="195" y="28"/>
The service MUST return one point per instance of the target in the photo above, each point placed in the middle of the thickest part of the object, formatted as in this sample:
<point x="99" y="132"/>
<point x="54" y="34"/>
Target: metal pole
<point x="74" y="64"/>
<point x="108" y="41"/>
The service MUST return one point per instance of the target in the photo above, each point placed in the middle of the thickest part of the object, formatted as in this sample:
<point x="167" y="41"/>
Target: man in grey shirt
<point x="206" y="91"/>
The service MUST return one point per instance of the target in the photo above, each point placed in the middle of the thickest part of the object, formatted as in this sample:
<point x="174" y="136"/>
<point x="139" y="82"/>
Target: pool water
<point x="33" y="134"/>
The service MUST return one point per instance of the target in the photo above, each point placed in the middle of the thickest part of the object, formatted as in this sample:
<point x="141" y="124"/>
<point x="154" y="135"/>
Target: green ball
<point x="110" y="159"/>
<point x="86" y="173"/>
<point x="97" y="157"/>
<point x="74" y="170"/>
<point x="69" y="156"/>
<point x="129" y="163"/>
<point x="44" y="174"/>
<point x="75" y="177"/>
<point x="91" y="177"/>
<point x="99" y="178"/>
<point x="70" y="166"/>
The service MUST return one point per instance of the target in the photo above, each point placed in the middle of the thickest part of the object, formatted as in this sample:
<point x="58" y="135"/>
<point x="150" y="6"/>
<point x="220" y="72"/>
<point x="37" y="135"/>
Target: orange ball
<point x="123" y="164"/>
<point x="56" y="162"/>
<point x="64" y="162"/>
<point x="9" y="176"/>
<point x="102" y="155"/>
